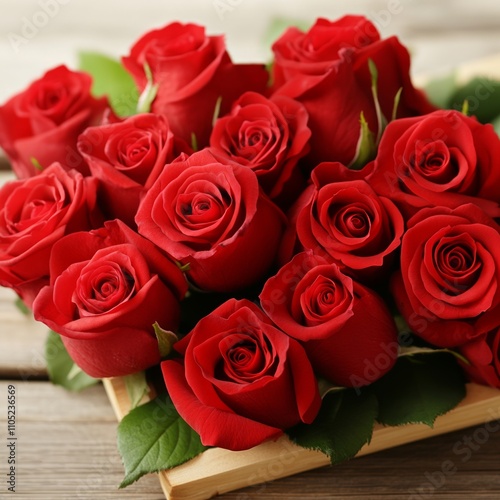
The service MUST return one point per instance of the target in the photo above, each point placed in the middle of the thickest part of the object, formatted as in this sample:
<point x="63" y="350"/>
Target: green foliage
<point x="61" y="368"/>
<point x="153" y="437"/>
<point x="419" y="388"/>
<point x="481" y="94"/>
<point x="111" y="79"/>
<point x="137" y="387"/>
<point x="343" y="426"/>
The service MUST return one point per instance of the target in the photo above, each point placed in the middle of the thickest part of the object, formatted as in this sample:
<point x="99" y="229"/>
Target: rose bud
<point x="214" y="218"/>
<point x="448" y="286"/>
<point x="441" y="159"/>
<point x="241" y="380"/>
<point x="269" y="136"/>
<point x="193" y="72"/>
<point x="107" y="289"/>
<point x="127" y="157"/>
<point x="35" y="213"/>
<point x="340" y="217"/>
<point x="327" y="69"/>
<point x="41" y="125"/>
<point x="346" y="329"/>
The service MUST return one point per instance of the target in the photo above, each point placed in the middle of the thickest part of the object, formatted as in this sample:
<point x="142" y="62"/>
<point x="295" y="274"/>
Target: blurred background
<point x="36" y="35"/>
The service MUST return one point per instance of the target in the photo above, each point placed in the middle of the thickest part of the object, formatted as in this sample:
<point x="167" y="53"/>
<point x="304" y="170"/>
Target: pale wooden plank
<point x="220" y="471"/>
<point x="62" y="456"/>
<point x="22" y="339"/>
<point x="66" y="446"/>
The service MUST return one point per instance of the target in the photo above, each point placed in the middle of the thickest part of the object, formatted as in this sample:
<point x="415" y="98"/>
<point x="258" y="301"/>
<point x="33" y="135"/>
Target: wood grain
<point x="218" y="470"/>
<point x="66" y="446"/>
<point x="22" y="340"/>
<point x="67" y="450"/>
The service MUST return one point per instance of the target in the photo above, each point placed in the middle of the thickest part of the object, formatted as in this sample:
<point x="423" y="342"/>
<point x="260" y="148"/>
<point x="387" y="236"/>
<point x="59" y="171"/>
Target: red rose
<point x="127" y="157"/>
<point x="192" y="72"/>
<point x="42" y="123"/>
<point x="448" y="287"/>
<point x="484" y="359"/>
<point x="341" y="218"/>
<point x="107" y="289"/>
<point x="267" y="135"/>
<point x="241" y="380"/>
<point x="441" y="159"/>
<point x="34" y="214"/>
<point x="213" y="217"/>
<point x="327" y="70"/>
<point x="346" y="329"/>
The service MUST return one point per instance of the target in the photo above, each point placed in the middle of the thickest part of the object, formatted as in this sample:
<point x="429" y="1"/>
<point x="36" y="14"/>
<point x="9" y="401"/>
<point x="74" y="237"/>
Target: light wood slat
<point x="67" y="450"/>
<point x="22" y="341"/>
<point x="220" y="471"/>
<point x="66" y="446"/>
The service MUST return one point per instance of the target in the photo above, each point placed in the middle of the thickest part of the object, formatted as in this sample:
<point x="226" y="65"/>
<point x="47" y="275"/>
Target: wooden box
<point x="219" y="471"/>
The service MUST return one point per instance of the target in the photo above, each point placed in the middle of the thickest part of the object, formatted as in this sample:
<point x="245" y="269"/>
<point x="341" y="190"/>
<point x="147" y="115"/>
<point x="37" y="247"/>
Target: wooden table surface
<point x="66" y="446"/>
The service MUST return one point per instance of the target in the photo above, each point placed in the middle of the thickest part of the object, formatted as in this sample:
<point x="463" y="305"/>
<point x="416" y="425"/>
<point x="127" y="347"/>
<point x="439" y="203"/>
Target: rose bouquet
<point x="302" y="250"/>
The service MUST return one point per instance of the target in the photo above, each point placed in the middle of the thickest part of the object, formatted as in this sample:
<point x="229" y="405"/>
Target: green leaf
<point x="483" y="96"/>
<point x="419" y="388"/>
<point x="440" y="90"/>
<point x="496" y="125"/>
<point x="153" y="437"/>
<point x="149" y="93"/>
<point x="343" y="426"/>
<point x="61" y="368"/>
<point x="137" y="387"/>
<point x="110" y="78"/>
<point x="166" y="339"/>
<point x="366" y="148"/>
<point x="22" y="306"/>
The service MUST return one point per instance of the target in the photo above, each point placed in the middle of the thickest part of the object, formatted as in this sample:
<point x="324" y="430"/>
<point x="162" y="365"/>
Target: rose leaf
<point x="110" y="78"/>
<point x="419" y="388"/>
<point x="61" y="368"/>
<point x="483" y="96"/>
<point x="137" y="387"/>
<point x="439" y="90"/>
<point x="343" y="426"/>
<point x="23" y="308"/>
<point x="496" y="125"/>
<point x="153" y="437"/>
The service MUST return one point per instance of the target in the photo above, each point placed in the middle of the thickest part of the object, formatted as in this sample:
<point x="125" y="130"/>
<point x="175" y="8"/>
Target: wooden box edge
<point x="218" y="471"/>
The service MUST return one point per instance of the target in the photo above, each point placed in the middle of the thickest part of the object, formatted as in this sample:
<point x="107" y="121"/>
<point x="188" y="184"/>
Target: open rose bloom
<point x="232" y="211"/>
